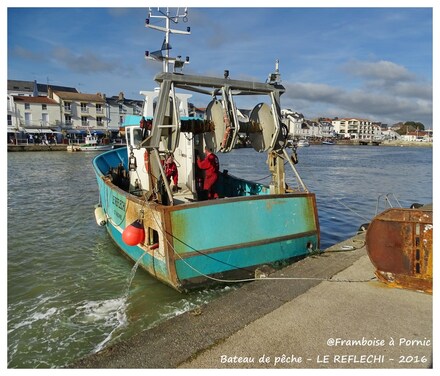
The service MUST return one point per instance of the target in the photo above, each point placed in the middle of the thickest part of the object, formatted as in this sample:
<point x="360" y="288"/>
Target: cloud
<point x="26" y="53"/>
<point x="381" y="70"/>
<point x="418" y="90"/>
<point x="385" y="107"/>
<point x="86" y="63"/>
<point x="386" y="92"/>
<point x="313" y="92"/>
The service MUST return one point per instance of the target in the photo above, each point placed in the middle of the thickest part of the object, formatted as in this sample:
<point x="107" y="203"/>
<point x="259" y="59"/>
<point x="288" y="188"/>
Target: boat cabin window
<point x="137" y="136"/>
<point x="153" y="236"/>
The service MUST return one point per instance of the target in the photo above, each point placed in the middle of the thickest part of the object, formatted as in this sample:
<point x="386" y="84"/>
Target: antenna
<point x="158" y="55"/>
<point x="275" y="78"/>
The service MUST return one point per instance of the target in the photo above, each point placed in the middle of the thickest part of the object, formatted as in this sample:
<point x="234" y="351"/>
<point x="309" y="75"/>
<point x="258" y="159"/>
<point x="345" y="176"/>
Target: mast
<point x="166" y="47"/>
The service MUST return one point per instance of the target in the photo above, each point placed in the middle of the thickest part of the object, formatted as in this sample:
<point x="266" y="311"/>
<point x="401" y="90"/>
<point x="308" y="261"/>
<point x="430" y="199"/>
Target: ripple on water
<point x="67" y="282"/>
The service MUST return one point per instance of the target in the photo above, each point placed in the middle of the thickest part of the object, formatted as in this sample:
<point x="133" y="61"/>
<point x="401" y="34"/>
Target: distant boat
<point x="327" y="142"/>
<point x="91" y="144"/>
<point x="303" y="143"/>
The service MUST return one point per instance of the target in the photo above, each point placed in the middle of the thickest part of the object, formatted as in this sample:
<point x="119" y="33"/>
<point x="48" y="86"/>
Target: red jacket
<point x="210" y="164"/>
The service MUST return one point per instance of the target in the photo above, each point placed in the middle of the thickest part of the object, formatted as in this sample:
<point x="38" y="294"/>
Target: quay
<point x="325" y="311"/>
<point x="39" y="147"/>
<point x="63" y="147"/>
<point x="50" y="147"/>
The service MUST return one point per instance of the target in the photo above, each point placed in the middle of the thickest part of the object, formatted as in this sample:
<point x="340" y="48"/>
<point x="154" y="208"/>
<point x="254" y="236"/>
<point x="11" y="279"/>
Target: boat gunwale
<point x="196" y="204"/>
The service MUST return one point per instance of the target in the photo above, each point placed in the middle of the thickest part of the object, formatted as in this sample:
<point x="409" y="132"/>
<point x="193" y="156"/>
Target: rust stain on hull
<point x="399" y="244"/>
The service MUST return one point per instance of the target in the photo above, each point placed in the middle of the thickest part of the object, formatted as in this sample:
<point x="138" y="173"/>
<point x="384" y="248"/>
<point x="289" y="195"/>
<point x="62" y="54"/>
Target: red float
<point x="134" y="233"/>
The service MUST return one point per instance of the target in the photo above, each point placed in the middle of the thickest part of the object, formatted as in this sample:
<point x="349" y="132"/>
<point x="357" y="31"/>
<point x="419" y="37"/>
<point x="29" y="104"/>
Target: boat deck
<point x="183" y="196"/>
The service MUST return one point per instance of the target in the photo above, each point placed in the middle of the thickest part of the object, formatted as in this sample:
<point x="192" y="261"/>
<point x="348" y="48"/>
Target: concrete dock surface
<point x="325" y="311"/>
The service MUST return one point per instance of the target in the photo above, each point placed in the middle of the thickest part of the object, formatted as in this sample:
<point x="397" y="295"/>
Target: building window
<point x="84" y="121"/>
<point x="27" y="106"/>
<point x="9" y="120"/>
<point x="84" y="107"/>
<point x="68" y="119"/>
<point x="67" y="106"/>
<point x="99" y="121"/>
<point x="27" y="119"/>
<point x="98" y="108"/>
<point x="44" y="107"/>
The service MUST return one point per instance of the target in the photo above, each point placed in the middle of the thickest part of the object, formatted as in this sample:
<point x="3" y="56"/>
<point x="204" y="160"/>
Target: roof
<point x="44" y="100"/>
<point x="14" y="85"/>
<point x="353" y="118"/>
<point x="115" y="100"/>
<point x="80" y="96"/>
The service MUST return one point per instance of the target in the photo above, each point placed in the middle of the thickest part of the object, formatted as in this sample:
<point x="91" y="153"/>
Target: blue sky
<point x="374" y="63"/>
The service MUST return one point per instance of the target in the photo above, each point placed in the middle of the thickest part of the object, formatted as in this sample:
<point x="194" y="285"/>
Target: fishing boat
<point x="303" y="143"/>
<point x="91" y="143"/>
<point x="179" y="233"/>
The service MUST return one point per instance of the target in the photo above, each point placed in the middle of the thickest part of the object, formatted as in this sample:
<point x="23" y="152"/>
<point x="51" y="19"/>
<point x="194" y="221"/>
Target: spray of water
<point x="120" y="311"/>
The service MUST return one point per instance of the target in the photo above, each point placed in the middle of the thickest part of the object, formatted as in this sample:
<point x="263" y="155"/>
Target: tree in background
<point x="410" y="126"/>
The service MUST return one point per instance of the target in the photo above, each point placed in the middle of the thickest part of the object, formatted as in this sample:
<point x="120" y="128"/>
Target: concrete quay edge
<point x="51" y="147"/>
<point x="292" y="316"/>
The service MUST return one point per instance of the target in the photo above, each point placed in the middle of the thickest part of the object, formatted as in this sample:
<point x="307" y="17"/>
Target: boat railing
<point x="389" y="203"/>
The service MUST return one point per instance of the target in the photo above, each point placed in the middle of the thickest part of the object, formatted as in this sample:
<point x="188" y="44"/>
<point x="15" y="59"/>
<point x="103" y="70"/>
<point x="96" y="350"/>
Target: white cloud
<point x="381" y="70"/>
<point x="86" y="63"/>
<point x="387" y="92"/>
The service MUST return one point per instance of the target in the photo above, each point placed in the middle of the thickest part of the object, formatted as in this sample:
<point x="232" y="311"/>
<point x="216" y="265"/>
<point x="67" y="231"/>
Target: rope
<point x="359" y="215"/>
<point x="164" y="233"/>
<point x="339" y="200"/>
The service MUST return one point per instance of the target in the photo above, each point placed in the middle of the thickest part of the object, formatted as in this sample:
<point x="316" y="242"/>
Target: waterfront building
<point x="80" y="113"/>
<point x="34" y="89"/>
<point x="418" y="136"/>
<point x="30" y="111"/>
<point x="29" y="115"/>
<point x="294" y="122"/>
<point x="357" y="129"/>
<point x="326" y="129"/>
<point x="298" y="127"/>
<point x="64" y="110"/>
<point x="118" y="107"/>
<point x="390" y="134"/>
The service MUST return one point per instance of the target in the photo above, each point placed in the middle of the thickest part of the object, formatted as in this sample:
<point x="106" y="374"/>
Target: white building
<point x="390" y="134"/>
<point x="294" y="122"/>
<point x="118" y="107"/>
<point x="298" y="127"/>
<point x="418" y="136"/>
<point x="79" y="111"/>
<point x="357" y="129"/>
<point x="32" y="115"/>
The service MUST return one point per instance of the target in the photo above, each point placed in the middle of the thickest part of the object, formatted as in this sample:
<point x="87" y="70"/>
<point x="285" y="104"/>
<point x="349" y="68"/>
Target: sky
<point x="371" y="61"/>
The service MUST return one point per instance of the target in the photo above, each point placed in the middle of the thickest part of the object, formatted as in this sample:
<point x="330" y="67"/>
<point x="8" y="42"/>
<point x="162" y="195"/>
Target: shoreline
<point x="17" y="148"/>
<point x="63" y="147"/>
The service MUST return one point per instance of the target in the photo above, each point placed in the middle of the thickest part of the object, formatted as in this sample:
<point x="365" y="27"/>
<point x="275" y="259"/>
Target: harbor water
<point x="71" y="292"/>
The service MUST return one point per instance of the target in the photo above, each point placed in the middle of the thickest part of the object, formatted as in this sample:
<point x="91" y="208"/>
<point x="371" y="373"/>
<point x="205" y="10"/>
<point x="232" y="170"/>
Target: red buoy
<point x="134" y="233"/>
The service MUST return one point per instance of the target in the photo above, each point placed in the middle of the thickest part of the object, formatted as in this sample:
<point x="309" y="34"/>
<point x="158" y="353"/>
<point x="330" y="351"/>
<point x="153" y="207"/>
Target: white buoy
<point x="101" y="218"/>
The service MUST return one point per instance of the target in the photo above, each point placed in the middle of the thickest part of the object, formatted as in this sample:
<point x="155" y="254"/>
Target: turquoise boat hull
<point x="197" y="244"/>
